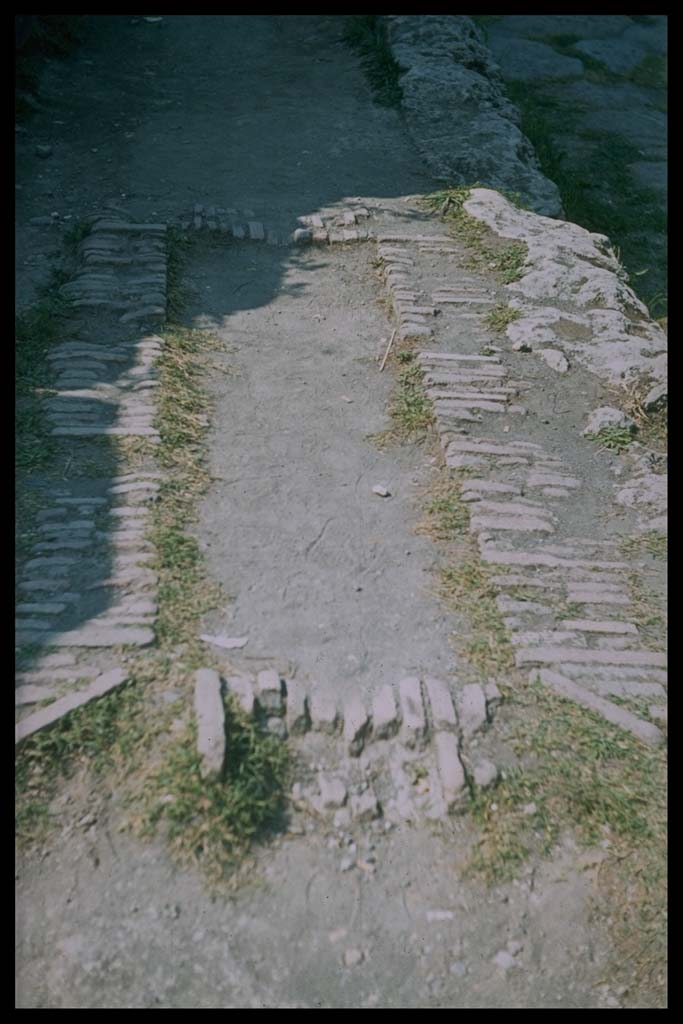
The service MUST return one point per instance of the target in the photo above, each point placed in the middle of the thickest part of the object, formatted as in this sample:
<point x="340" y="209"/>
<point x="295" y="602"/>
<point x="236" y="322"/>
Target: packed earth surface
<point x="341" y="518"/>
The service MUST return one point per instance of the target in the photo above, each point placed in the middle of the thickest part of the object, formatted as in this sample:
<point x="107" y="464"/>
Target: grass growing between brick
<point x="411" y="413"/>
<point x="467" y="588"/>
<point x="446" y="514"/>
<point x="486" y="251"/>
<point x="501" y="316"/>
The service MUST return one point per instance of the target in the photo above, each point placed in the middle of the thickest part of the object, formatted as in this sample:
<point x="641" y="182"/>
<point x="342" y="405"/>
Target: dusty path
<point x="330" y="582"/>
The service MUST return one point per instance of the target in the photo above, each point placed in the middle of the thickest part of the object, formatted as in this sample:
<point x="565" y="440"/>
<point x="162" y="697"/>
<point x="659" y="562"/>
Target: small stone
<point x="302" y="235"/>
<point x="443" y="712"/>
<point x="451" y="772"/>
<point x="529" y="809"/>
<point x="347" y="864"/>
<point x="493" y="697"/>
<point x="555" y="359"/>
<point x="439" y="915"/>
<point x="381" y="491"/>
<point x="228" y="643"/>
<point x="324" y="713"/>
<point x="471" y="704"/>
<point x="504" y="960"/>
<point x="342" y="818"/>
<point x="277" y="727"/>
<point x="332" y="792"/>
<point x="606" y="416"/>
<point x="521" y="346"/>
<point x="353" y="957"/>
<point x="269" y="692"/>
<point x="656" y="398"/>
<point x="515" y="946"/>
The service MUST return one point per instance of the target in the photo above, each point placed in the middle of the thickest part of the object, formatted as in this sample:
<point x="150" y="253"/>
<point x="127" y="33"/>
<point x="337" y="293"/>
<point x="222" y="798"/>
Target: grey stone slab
<point x="540" y="655"/>
<point x="644" y="731"/>
<point x="210" y="719"/>
<point x="242" y="688"/>
<point x="414" y="723"/>
<point x="48" y="716"/>
<point x="385" y="716"/>
<point x="297" y="712"/>
<point x="451" y="772"/>
<point x="269" y="692"/>
<point x="471" y="705"/>
<point x="356" y="723"/>
<point x="104" y="637"/>
<point x="324" y="712"/>
<point x="443" y="714"/>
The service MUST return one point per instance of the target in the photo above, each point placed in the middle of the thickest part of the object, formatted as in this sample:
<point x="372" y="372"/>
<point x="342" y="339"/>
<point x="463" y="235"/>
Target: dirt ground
<point x="273" y="114"/>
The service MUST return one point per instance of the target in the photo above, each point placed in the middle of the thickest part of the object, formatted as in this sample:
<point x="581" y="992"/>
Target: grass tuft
<point x="214" y="823"/>
<point x="613" y="438"/>
<point x="468" y="589"/>
<point x="501" y="316"/>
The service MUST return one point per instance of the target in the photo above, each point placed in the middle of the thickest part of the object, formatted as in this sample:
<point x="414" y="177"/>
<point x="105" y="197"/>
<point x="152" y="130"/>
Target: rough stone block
<point x="297" y="716"/>
<point x="555" y="655"/>
<point x="644" y="731"/>
<point x="493" y="698"/>
<point x="451" y="772"/>
<point x="210" y="717"/>
<point x="356" y="724"/>
<point x="364" y="807"/>
<point x="269" y="692"/>
<point x="385" y="717"/>
<point x="414" y="723"/>
<point x="471" y="704"/>
<point x="555" y="359"/>
<point x="485" y="774"/>
<point x="242" y="687"/>
<point x="324" y="712"/>
<point x="332" y="792"/>
<point x="441" y="704"/>
<point x="47" y="716"/>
